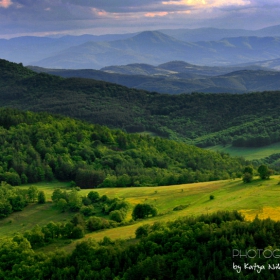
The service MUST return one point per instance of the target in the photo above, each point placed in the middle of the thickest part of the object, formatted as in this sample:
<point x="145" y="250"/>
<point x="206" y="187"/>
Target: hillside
<point x="202" y="119"/>
<point x="154" y="48"/>
<point x="38" y="147"/>
<point x="272" y="64"/>
<point x="148" y="246"/>
<point x="167" y="78"/>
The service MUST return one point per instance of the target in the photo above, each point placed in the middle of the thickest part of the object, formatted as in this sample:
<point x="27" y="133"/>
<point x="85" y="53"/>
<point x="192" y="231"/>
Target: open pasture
<point x="260" y="197"/>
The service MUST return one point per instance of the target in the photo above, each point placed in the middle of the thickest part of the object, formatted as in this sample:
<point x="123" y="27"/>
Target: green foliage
<point x="248" y="169"/>
<point x="211" y="197"/>
<point x="39" y="146"/>
<point x="11" y="199"/>
<point x="187" y="248"/>
<point x="62" y="204"/>
<point x="117" y="215"/>
<point x="87" y="210"/>
<point x="93" y="196"/>
<point x="96" y="223"/>
<point x="142" y="231"/>
<point x="78" y="232"/>
<point x="74" y="201"/>
<point x="264" y="172"/>
<point x="244" y="120"/>
<point x="32" y="193"/>
<point x="41" y="197"/>
<point x="248" y="174"/>
<point x="247" y="177"/>
<point x="142" y="211"/>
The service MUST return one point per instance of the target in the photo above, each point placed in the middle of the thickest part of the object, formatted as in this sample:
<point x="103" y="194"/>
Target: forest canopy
<point x="40" y="146"/>
<point x="241" y="120"/>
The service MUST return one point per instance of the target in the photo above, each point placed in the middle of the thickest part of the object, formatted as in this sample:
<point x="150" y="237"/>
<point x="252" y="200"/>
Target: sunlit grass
<point x="258" y="197"/>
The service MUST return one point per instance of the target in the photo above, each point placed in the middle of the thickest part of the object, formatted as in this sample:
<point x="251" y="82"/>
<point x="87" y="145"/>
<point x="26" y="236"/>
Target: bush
<point x="41" y="197"/>
<point x="117" y="216"/>
<point x="247" y="177"/>
<point x="78" y="232"/>
<point x="142" y="231"/>
<point x="87" y="210"/>
<point x="211" y="197"/>
<point x="142" y="211"/>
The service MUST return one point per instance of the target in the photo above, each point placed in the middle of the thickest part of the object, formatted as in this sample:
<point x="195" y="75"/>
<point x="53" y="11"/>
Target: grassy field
<point x="256" y="198"/>
<point x="248" y="153"/>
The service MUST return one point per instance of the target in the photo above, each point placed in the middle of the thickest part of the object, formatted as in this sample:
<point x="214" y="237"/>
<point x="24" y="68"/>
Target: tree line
<point x="201" y="247"/>
<point x="42" y="147"/>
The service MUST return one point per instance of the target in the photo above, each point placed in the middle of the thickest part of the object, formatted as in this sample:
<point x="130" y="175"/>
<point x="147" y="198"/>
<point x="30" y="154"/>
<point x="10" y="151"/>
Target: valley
<point x="145" y="155"/>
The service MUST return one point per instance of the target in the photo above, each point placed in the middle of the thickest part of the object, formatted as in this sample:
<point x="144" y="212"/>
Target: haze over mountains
<point x="180" y="77"/>
<point x="205" y="46"/>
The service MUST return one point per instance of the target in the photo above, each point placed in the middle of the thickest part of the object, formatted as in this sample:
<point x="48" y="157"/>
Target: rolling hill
<point x="179" y="77"/>
<point x="154" y="47"/>
<point x="246" y="120"/>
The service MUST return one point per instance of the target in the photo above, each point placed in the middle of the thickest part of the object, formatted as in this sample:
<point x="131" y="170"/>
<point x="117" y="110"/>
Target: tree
<point x="93" y="196"/>
<point x="117" y="216"/>
<point x="248" y="169"/>
<point x="32" y="193"/>
<point x="75" y="201"/>
<point x="247" y="177"/>
<point x="41" y="197"/>
<point x="142" y="211"/>
<point x="248" y="174"/>
<point x="264" y="172"/>
<point x="62" y="204"/>
<point x="78" y="232"/>
<point x="142" y="231"/>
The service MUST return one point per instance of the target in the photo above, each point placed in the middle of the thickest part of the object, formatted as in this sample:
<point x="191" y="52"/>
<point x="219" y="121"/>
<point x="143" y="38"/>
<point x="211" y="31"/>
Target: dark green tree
<point x="264" y="172"/>
<point x="142" y="211"/>
<point x="41" y="197"/>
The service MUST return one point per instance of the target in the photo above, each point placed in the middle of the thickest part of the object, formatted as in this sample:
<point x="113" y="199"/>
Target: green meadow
<point x="260" y="197"/>
<point x="248" y="153"/>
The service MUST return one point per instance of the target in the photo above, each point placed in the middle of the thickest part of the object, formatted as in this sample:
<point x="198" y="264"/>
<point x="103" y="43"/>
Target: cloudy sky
<point x="57" y="17"/>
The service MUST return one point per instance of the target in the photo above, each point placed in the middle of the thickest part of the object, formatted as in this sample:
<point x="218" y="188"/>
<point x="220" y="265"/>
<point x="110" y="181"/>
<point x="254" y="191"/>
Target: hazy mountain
<point x="215" y="34"/>
<point x="206" y="34"/>
<point x="30" y="48"/>
<point x="147" y="47"/>
<point x="268" y="31"/>
<point x="177" y="68"/>
<point x="155" y="79"/>
<point x="272" y="64"/>
<point x="204" y="46"/>
<point x="156" y="48"/>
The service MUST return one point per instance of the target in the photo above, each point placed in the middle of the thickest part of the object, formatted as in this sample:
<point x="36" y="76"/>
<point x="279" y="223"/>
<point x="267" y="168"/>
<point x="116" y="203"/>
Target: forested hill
<point x="202" y="119"/>
<point x="39" y="146"/>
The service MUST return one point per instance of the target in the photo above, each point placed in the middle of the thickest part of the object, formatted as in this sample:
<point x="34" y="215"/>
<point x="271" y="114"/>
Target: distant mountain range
<point x="204" y="46"/>
<point x="180" y="77"/>
<point x="156" y="48"/>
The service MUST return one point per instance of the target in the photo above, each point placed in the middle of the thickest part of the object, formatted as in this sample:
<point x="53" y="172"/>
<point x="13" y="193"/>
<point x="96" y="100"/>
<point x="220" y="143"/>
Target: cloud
<point x="156" y="14"/>
<point x="5" y="3"/>
<point x="87" y="16"/>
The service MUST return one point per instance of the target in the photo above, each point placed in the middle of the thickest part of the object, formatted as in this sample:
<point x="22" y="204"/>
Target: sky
<point x="76" y="17"/>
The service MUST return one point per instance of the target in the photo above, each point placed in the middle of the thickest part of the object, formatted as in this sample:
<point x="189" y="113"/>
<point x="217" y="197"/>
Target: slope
<point x="202" y="119"/>
<point x="154" y="47"/>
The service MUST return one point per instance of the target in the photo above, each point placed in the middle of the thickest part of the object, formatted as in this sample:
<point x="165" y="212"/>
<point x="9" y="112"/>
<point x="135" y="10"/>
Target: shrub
<point x="247" y="177"/>
<point x="142" y="231"/>
<point x="41" y="197"/>
<point x="87" y="210"/>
